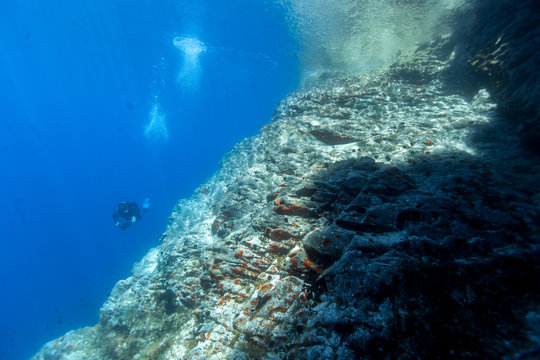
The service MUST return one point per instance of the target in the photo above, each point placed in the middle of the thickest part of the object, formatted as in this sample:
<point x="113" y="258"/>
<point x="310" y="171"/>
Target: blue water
<point x="98" y="106"/>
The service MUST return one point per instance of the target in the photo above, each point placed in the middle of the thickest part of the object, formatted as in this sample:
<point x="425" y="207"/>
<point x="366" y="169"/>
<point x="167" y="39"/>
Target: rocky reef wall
<point x="497" y="47"/>
<point x="380" y="215"/>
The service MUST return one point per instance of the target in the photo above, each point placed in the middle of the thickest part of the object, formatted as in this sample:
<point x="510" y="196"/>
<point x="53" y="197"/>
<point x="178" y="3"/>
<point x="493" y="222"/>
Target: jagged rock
<point x="385" y="247"/>
<point x="326" y="246"/>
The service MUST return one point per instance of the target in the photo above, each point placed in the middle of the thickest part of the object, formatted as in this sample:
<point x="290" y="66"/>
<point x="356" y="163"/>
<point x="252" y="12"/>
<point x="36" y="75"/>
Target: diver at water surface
<point x="128" y="213"/>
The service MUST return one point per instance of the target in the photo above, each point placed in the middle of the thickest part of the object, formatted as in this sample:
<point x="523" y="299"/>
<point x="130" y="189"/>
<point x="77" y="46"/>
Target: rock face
<point x="495" y="46"/>
<point x="498" y="48"/>
<point x="376" y="216"/>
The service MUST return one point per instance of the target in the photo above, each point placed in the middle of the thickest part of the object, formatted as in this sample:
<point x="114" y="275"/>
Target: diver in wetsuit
<point x="128" y="213"/>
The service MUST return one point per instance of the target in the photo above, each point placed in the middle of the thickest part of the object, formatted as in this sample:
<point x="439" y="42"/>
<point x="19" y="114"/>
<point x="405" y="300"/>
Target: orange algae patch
<point x="266" y="287"/>
<point x="279" y="235"/>
<point x="296" y="252"/>
<point x="237" y="282"/>
<point x="237" y="271"/>
<point x="293" y="262"/>
<point x="308" y="264"/>
<point x="294" y="210"/>
<point x="278" y="249"/>
<point x="239" y="254"/>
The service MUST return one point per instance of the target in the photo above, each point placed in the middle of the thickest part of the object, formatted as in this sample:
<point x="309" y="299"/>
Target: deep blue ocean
<point x="114" y="100"/>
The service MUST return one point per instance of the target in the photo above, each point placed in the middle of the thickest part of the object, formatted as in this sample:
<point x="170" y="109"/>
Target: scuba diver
<point x="128" y="213"/>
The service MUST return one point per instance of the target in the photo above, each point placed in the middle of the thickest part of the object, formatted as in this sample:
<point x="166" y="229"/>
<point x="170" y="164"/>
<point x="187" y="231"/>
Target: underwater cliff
<point x="388" y="214"/>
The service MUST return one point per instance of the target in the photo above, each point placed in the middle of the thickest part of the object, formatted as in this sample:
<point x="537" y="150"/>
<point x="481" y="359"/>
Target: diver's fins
<point x="145" y="204"/>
